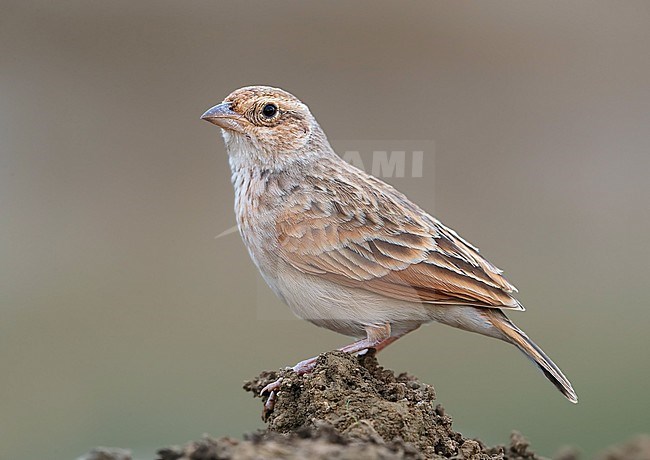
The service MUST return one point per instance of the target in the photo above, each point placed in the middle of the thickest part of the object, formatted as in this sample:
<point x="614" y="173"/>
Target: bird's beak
<point x="223" y="116"/>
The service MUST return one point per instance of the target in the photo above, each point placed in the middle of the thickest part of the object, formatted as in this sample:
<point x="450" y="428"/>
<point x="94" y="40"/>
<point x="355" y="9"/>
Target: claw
<point x="272" y="390"/>
<point x="269" y="405"/>
<point x="271" y="387"/>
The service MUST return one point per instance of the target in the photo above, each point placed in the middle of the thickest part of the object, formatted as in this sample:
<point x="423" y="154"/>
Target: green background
<point x="124" y="322"/>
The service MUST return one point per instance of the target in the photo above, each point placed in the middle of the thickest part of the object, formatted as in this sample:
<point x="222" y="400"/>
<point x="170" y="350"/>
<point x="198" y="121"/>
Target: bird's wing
<point x="367" y="235"/>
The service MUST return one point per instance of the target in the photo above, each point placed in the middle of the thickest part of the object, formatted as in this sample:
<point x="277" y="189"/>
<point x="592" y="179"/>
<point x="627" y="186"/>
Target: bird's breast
<point x="258" y="204"/>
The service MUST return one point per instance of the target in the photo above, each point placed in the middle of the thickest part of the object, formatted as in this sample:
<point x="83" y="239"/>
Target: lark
<point x="345" y="250"/>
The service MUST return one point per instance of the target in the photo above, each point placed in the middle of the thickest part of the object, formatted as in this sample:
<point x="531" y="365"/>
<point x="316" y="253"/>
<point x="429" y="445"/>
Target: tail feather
<point x="518" y="338"/>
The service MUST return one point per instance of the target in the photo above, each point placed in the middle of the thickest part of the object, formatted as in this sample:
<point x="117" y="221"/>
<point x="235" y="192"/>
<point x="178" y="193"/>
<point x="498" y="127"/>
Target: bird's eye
<point x="269" y="110"/>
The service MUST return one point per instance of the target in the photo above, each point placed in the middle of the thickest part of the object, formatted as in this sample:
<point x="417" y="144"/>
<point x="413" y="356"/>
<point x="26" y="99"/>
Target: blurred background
<point x="124" y="322"/>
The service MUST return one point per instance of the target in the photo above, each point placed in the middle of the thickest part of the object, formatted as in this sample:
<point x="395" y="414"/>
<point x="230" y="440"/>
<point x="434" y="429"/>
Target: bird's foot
<point x="378" y="338"/>
<point x="306" y="366"/>
<point x="271" y="387"/>
<point x="272" y="390"/>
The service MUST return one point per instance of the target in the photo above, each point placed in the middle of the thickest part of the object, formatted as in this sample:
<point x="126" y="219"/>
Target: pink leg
<point x="381" y="345"/>
<point x="306" y="366"/>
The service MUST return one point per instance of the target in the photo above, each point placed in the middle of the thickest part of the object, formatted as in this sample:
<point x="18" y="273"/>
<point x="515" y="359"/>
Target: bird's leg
<point x="392" y="338"/>
<point x="377" y="337"/>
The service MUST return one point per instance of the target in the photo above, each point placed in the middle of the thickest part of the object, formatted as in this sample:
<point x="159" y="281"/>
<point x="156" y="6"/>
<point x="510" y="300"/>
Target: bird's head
<point x="266" y="124"/>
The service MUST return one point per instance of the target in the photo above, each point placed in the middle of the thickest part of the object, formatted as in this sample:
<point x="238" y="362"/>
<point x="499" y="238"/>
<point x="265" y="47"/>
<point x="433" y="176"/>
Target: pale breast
<point x="260" y="197"/>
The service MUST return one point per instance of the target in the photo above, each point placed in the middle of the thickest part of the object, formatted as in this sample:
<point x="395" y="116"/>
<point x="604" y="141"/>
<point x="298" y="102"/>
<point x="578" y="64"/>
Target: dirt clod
<point x="361" y="401"/>
<point x="351" y="408"/>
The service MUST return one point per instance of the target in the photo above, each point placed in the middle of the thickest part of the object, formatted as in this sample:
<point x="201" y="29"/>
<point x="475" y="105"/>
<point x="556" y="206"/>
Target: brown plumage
<point x="353" y="232"/>
<point x="345" y="250"/>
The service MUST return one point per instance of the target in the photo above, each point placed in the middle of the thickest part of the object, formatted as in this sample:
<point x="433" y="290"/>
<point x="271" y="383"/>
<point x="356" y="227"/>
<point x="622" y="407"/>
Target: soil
<point x="351" y="408"/>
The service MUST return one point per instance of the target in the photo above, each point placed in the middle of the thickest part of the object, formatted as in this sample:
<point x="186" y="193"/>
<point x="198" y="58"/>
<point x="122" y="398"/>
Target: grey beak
<point x="223" y="116"/>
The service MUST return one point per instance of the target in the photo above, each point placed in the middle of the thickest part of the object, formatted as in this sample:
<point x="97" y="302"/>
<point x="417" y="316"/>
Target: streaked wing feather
<point x="369" y="237"/>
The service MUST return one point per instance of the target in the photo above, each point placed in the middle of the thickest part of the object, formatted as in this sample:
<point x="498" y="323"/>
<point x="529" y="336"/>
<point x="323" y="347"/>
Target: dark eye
<point x="269" y="110"/>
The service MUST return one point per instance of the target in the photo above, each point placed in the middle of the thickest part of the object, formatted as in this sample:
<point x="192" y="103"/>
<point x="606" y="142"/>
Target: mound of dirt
<point x="351" y="408"/>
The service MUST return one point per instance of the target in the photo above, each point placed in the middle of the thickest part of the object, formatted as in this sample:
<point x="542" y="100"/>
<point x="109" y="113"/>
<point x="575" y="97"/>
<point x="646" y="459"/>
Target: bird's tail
<point x="519" y="339"/>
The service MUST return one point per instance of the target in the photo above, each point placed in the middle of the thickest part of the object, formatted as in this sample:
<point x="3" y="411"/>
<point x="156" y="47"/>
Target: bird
<point x="345" y="250"/>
